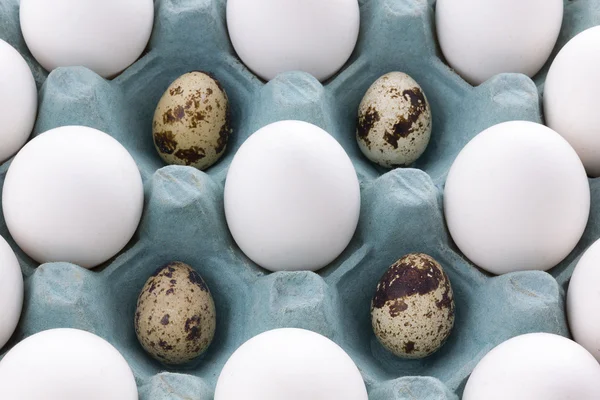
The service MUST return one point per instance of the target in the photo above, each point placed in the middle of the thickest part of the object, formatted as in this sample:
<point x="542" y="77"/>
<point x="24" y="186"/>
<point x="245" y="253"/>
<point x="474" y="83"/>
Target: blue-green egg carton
<point x="401" y="209"/>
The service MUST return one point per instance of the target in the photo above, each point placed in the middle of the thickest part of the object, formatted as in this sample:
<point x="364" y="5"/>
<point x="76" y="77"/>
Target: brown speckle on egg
<point x="412" y="312"/>
<point x="190" y="156"/>
<point x="394" y="121"/>
<point x="366" y="122"/>
<point x="165" y="142"/>
<point x="185" y="319"/>
<point x="405" y="125"/>
<point x="176" y="91"/>
<point x="192" y="121"/>
<point x="224" y="133"/>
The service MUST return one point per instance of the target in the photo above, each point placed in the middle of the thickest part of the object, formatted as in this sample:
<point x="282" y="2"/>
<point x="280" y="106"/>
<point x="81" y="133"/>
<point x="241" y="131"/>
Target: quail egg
<point x="175" y="318"/>
<point x="412" y="312"/>
<point x="191" y="122"/>
<point x="394" y="121"/>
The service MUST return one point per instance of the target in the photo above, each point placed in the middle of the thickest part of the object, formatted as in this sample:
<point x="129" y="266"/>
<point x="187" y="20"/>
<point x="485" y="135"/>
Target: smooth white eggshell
<point x="275" y="36"/>
<point x="480" y="39"/>
<point x="517" y="198"/>
<point x="571" y="97"/>
<point x="292" y="197"/>
<point x="73" y="194"/>
<point x="583" y="298"/>
<point x="18" y="101"/>
<point x="291" y="364"/>
<point x="535" y="366"/>
<point x="11" y="292"/>
<point x="105" y="36"/>
<point x="66" y="364"/>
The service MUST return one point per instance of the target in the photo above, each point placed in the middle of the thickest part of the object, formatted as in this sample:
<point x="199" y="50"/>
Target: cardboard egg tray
<point x="401" y="209"/>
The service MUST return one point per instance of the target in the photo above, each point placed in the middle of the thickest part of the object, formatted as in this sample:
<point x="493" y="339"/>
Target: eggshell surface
<point x="535" y="366"/>
<point x="394" y="121"/>
<point x="412" y="312"/>
<point x="583" y="298"/>
<point x="292" y="197"/>
<point x="18" y="101"/>
<point x="11" y="291"/>
<point x="480" y="39"/>
<point x="191" y="123"/>
<point x="66" y="364"/>
<point x="275" y="36"/>
<point x="175" y="317"/>
<point x="291" y="364"/>
<point x="105" y="36"/>
<point x="571" y="94"/>
<point x="517" y="198"/>
<point x="184" y="218"/>
<point x="73" y="194"/>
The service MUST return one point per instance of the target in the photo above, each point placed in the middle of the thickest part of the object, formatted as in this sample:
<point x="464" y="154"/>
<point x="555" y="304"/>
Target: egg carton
<point x="401" y="209"/>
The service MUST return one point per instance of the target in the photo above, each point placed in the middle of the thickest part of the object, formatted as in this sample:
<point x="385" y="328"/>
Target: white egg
<point x="517" y="198"/>
<point x="105" y="36"/>
<point x="583" y="298"/>
<point x="571" y="97"/>
<point x="66" y="364"/>
<point x="292" y="197"/>
<point x="290" y="364"/>
<point x="18" y="101"/>
<point x="275" y="36"/>
<point x="73" y="194"/>
<point x="11" y="292"/>
<point x="535" y="366"/>
<point x="480" y="39"/>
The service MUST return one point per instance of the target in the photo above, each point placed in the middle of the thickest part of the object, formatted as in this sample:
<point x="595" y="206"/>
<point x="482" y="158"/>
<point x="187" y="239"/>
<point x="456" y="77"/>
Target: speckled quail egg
<point x="412" y="312"/>
<point x="394" y="121"/>
<point x="175" y="318"/>
<point x="191" y="123"/>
